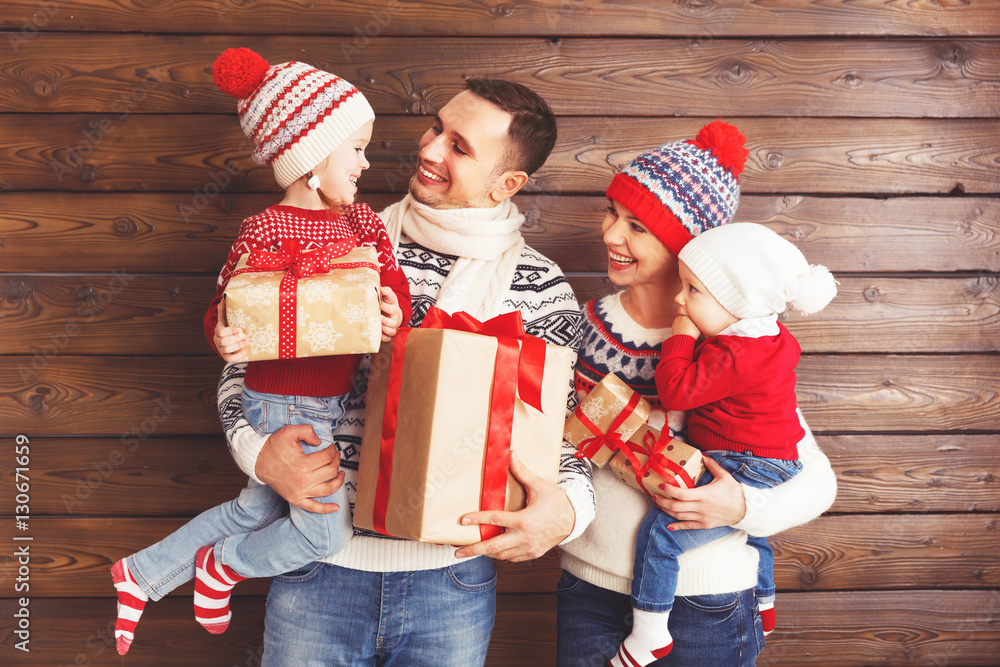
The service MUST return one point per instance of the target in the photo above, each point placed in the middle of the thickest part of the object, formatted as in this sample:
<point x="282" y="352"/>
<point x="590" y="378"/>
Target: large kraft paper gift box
<point x="646" y="462"/>
<point x="435" y="431"/>
<point x="609" y="414"/>
<point x="296" y="303"/>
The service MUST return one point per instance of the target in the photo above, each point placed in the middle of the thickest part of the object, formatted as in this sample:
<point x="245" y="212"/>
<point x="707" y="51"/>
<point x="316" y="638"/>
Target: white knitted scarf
<point x="487" y="242"/>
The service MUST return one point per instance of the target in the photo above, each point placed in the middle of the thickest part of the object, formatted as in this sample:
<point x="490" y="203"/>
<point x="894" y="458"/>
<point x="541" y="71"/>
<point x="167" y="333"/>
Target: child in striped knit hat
<point x="311" y="127"/>
<point x="739" y="386"/>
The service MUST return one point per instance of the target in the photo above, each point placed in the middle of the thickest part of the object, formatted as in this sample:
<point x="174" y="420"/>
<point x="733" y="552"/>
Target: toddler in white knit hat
<point x="739" y="385"/>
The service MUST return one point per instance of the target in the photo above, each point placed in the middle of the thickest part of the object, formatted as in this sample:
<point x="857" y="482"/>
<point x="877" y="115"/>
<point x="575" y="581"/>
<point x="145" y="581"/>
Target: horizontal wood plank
<point x="359" y="22"/>
<point x="127" y="397"/>
<point x="921" y="473"/>
<point x="851" y="552"/>
<point x="885" y="628"/>
<point x="891" y="628"/>
<point x="199" y="154"/>
<point x="74" y="73"/>
<point x="184" y="233"/>
<point x="899" y="393"/>
<point x="42" y="316"/>
<point x="112" y="395"/>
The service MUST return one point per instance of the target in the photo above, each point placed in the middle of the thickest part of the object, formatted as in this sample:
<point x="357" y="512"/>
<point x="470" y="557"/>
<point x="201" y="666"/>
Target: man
<point x="383" y="600"/>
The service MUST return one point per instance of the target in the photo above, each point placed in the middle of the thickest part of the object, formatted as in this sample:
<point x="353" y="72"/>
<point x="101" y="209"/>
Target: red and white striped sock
<point x="131" y="601"/>
<point x="767" y="618"/>
<point x="650" y="640"/>
<point x="212" y="587"/>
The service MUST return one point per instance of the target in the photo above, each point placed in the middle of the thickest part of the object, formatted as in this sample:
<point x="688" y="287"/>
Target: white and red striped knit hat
<point x="295" y="114"/>
<point x="681" y="189"/>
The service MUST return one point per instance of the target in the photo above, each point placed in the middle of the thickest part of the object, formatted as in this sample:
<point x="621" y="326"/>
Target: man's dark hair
<point x="532" y="131"/>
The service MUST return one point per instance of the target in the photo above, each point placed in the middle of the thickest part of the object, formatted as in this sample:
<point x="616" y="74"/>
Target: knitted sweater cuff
<point x="581" y="496"/>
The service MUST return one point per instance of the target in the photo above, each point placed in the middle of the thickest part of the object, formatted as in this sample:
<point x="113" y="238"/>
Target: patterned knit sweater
<point x="308" y="376"/>
<point x="604" y="554"/>
<point x="550" y="311"/>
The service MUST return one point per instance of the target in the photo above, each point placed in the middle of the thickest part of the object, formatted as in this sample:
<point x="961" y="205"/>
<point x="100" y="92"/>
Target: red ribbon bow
<point x="612" y="439"/>
<point x="301" y="264"/>
<point x="657" y="462"/>
<point x="297" y="263"/>
<point x="517" y="370"/>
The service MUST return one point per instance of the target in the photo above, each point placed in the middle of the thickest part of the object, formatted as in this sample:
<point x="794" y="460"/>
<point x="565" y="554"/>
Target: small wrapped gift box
<point x="609" y="414"/>
<point x="296" y="303"/>
<point x="446" y="405"/>
<point x="649" y="460"/>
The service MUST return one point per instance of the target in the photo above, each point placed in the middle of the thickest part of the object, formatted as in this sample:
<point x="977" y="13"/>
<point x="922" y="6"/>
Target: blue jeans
<point x="654" y="575"/>
<point x="708" y="630"/>
<point x="324" y="615"/>
<point x="256" y="534"/>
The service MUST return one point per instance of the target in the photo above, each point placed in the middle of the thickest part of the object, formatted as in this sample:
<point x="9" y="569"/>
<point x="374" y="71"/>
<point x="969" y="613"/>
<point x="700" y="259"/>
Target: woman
<point x="658" y="203"/>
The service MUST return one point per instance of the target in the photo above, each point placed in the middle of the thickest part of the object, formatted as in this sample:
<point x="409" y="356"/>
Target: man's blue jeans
<point x="324" y="616"/>
<point x="256" y="534"/>
<point x="654" y="577"/>
<point x="708" y="630"/>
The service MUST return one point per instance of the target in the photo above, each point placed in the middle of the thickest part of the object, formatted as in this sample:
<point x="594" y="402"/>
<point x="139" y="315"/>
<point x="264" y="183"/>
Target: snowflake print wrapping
<point x="605" y="419"/>
<point x="314" y="312"/>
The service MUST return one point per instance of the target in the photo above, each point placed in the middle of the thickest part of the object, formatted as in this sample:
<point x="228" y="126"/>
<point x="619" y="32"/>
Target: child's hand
<point x="684" y="326"/>
<point x="392" y="314"/>
<point x="229" y="341"/>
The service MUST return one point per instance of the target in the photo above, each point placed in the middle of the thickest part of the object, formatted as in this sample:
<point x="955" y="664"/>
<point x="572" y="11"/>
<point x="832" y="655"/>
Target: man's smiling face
<point x="461" y="156"/>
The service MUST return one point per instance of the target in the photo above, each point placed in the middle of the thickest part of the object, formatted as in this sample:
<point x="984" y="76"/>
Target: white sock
<point x="650" y="640"/>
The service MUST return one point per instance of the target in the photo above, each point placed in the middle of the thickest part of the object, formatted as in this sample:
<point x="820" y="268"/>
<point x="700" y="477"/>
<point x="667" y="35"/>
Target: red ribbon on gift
<point x="612" y="439"/>
<point x="657" y="462"/>
<point x="517" y="371"/>
<point x="298" y="263"/>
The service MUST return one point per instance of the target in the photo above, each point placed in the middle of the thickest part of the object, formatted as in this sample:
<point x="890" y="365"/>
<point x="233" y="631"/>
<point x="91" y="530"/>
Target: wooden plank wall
<point x="874" y="129"/>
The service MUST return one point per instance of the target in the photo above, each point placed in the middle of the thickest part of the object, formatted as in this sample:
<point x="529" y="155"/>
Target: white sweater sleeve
<point x="244" y="442"/>
<point x="797" y="501"/>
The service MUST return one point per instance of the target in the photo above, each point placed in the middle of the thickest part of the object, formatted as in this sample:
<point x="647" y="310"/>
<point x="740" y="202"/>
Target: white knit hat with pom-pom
<point x="753" y="272"/>
<point x="295" y="114"/>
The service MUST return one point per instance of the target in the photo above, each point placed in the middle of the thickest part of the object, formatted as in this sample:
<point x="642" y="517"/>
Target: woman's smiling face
<point x="635" y="255"/>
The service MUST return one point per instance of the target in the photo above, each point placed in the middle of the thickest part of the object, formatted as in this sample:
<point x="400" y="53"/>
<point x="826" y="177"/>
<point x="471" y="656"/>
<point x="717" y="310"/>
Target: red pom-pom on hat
<point x="725" y="143"/>
<point x="238" y="72"/>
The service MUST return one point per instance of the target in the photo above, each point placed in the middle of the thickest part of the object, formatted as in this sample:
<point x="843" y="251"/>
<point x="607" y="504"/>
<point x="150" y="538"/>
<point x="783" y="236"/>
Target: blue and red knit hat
<point x="681" y="189"/>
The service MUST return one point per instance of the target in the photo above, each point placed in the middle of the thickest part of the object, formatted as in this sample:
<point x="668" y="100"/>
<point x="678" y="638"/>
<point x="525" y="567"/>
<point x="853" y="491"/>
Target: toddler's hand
<point x="684" y="326"/>
<point x="392" y="314"/>
<point x="229" y="341"/>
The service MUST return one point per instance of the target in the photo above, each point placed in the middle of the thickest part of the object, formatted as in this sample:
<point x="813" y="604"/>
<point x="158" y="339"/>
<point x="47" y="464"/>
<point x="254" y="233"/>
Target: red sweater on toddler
<point x="309" y="376"/>
<point x="740" y="390"/>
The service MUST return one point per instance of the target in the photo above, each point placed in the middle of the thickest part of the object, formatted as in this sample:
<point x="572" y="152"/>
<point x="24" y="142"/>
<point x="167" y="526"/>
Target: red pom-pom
<point x="726" y="144"/>
<point x="238" y="72"/>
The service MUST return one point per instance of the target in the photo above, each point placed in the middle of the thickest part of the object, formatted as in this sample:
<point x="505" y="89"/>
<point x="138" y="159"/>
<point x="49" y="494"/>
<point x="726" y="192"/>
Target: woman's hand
<point x="229" y="341"/>
<point x="684" y="326"/>
<point x="392" y="314"/>
<point x="718" y="503"/>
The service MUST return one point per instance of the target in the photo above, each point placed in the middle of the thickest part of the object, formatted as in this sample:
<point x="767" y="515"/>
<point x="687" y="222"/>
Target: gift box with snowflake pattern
<point x="332" y="313"/>
<point x="612" y="410"/>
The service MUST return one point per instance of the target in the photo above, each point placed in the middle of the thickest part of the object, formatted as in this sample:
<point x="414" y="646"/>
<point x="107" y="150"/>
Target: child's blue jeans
<point x="258" y="534"/>
<point x="654" y="575"/>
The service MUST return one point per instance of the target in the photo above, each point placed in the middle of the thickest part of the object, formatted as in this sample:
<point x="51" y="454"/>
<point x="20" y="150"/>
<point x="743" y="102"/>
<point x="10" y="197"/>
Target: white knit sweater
<point x="550" y="311"/>
<point x="604" y="554"/>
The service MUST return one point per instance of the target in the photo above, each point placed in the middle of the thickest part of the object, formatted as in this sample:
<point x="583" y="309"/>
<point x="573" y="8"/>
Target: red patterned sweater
<point x="309" y="376"/>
